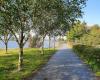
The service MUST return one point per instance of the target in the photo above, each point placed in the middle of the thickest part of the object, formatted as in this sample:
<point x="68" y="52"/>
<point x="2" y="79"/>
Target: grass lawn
<point x="33" y="60"/>
<point x="98" y="73"/>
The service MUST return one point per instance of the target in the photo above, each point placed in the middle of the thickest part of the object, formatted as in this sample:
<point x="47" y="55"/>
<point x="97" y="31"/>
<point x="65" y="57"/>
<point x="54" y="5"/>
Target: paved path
<point x="65" y="65"/>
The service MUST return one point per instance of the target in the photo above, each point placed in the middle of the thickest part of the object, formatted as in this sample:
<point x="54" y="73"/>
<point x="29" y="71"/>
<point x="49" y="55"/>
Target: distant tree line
<point x="83" y="34"/>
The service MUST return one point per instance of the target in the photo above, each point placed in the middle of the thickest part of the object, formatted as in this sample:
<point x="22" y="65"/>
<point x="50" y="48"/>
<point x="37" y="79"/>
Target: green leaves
<point x="78" y="30"/>
<point x="92" y="37"/>
<point x="85" y="35"/>
<point x="90" y="55"/>
<point x="44" y="16"/>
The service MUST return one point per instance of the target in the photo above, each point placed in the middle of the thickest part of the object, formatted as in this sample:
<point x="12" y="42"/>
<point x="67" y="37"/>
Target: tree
<point x="78" y="30"/>
<point x="5" y="36"/>
<point x="57" y="15"/>
<point x="44" y="16"/>
<point x="17" y="13"/>
<point x="34" y="41"/>
<point x="91" y="38"/>
<point x="82" y="34"/>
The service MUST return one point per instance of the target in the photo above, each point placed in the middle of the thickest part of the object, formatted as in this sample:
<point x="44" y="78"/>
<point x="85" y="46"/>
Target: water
<point x="13" y="44"/>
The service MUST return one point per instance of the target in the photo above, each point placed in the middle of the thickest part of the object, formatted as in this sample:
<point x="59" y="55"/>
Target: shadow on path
<point x="65" y="65"/>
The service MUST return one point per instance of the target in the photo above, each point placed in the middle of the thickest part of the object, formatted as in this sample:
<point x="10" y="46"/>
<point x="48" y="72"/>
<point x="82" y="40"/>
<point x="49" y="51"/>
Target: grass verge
<point x="33" y="60"/>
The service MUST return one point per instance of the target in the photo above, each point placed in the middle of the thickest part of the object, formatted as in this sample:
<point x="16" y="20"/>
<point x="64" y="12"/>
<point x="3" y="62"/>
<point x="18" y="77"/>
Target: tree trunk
<point x="49" y="41"/>
<point x="20" y="64"/>
<point x="6" y="41"/>
<point x="6" y="44"/>
<point x="54" y="42"/>
<point x="42" y="47"/>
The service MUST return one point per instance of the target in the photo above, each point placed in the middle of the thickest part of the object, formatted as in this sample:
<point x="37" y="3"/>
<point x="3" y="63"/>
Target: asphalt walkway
<point x="65" y="65"/>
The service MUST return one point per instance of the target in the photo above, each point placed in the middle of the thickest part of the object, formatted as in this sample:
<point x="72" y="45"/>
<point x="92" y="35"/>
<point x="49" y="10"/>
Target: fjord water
<point x="13" y="44"/>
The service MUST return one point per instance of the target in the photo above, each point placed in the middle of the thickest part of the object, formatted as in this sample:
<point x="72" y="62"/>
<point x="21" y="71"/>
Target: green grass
<point x="33" y="60"/>
<point x="98" y="73"/>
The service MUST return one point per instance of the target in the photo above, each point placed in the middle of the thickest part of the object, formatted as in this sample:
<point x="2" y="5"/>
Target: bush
<point x="89" y="54"/>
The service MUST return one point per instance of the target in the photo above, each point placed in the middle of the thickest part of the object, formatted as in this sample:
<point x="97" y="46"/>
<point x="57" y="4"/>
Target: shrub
<point x="90" y="55"/>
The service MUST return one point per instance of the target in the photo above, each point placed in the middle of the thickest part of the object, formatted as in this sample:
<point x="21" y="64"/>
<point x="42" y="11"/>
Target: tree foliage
<point x="16" y="14"/>
<point x="5" y="36"/>
<point x="43" y="16"/>
<point x="92" y="38"/>
<point x="83" y="34"/>
<point x="77" y="30"/>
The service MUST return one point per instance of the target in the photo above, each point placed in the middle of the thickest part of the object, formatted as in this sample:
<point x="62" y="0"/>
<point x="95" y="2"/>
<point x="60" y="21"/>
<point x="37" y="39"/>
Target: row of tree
<point x="85" y="35"/>
<point x="45" y="17"/>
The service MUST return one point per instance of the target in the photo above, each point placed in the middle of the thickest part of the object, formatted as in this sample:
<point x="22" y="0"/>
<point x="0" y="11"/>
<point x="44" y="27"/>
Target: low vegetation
<point x="33" y="60"/>
<point x="90" y="55"/>
<point x="86" y="43"/>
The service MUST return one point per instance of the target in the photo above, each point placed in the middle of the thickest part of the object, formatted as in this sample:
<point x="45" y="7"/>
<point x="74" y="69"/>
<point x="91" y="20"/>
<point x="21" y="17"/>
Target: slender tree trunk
<point x="42" y="48"/>
<point x="6" y="41"/>
<point x="20" y="64"/>
<point x="54" y="42"/>
<point x="6" y="44"/>
<point x="49" y="41"/>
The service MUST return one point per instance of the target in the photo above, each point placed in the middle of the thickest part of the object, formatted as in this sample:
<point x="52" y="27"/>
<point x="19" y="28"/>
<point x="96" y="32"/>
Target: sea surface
<point x="13" y="44"/>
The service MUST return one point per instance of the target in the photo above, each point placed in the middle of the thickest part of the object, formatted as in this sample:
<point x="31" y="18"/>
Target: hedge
<point x="90" y="55"/>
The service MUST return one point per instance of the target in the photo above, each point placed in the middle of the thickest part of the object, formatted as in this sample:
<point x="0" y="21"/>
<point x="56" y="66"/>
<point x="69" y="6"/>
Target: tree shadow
<point x="33" y="60"/>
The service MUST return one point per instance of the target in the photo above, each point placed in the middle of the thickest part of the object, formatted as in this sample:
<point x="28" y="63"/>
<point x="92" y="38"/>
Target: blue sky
<point x="92" y="12"/>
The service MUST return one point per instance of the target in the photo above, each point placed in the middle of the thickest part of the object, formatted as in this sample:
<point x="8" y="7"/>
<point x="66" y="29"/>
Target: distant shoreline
<point x="13" y="44"/>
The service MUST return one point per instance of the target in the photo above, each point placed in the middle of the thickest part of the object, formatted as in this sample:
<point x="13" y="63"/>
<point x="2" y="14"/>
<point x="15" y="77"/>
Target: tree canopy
<point x="77" y="30"/>
<point x="85" y="35"/>
<point x="42" y="16"/>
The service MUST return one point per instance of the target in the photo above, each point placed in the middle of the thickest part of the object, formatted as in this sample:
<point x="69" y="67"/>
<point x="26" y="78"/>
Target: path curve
<point x="65" y="65"/>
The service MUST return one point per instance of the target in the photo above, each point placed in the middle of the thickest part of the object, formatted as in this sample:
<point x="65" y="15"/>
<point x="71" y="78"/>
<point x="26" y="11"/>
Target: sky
<point x="92" y="12"/>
